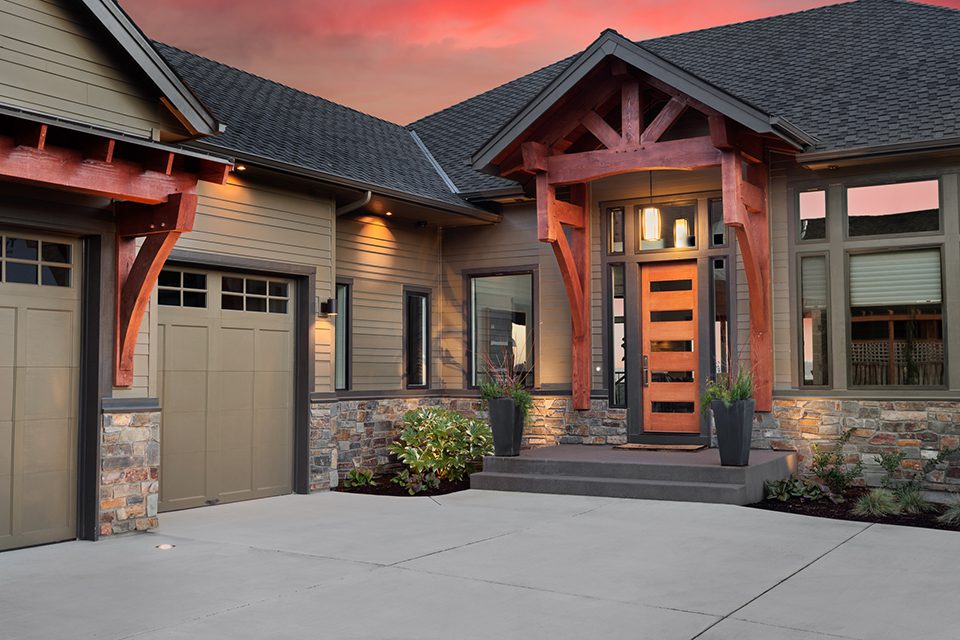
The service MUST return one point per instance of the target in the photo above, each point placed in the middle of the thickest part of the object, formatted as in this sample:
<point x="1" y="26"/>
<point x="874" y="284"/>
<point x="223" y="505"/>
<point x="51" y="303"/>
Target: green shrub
<point x="831" y="468"/>
<point x="416" y="483"/>
<point x="951" y="516"/>
<point x="877" y="504"/>
<point x="441" y="442"/>
<point x="359" y="478"/>
<point x="792" y="489"/>
<point x="728" y="388"/>
<point x="890" y="461"/>
<point x="911" y="500"/>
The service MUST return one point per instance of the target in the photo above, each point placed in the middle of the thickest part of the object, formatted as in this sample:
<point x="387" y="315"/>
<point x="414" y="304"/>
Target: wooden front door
<point x="669" y="353"/>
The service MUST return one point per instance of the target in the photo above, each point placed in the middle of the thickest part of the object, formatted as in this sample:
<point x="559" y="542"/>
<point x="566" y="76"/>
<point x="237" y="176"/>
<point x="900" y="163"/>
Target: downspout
<point x="353" y="206"/>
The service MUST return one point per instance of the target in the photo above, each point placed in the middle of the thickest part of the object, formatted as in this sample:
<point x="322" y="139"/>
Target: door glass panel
<point x="672" y="407"/>
<point x="671" y="345"/>
<point x="55" y="276"/>
<point x="21" y="249"/>
<point x="22" y="273"/>
<point x="671" y="376"/>
<point x="56" y="252"/>
<point x="681" y="315"/>
<point x="615" y="243"/>
<point x="721" y="320"/>
<point x="671" y="285"/>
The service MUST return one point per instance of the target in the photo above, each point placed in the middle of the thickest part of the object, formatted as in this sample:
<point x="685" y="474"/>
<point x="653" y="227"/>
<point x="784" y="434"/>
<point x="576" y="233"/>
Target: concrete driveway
<point x="488" y="565"/>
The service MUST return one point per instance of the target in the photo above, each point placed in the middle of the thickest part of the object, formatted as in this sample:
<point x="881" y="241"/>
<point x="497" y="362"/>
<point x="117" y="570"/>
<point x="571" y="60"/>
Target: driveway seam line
<point x="781" y="626"/>
<point x="780" y="582"/>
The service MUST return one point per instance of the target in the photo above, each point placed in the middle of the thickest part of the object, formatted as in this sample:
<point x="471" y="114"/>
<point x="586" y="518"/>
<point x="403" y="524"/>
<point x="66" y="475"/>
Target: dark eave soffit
<point x="128" y="35"/>
<point x="611" y="43"/>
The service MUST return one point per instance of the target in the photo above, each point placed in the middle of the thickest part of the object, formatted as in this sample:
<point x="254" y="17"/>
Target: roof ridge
<point x="718" y="27"/>
<point x="280" y="84"/>
<point x="492" y="89"/>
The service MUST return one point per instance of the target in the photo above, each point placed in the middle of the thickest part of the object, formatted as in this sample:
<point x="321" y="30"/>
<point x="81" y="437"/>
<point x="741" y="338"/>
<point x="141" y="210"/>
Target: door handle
<point x="646" y="372"/>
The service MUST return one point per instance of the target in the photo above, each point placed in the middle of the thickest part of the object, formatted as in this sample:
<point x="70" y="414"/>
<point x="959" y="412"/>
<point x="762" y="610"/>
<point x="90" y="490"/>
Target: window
<point x="417" y="339"/>
<point x="618" y="337"/>
<point x="721" y="316"/>
<point x="341" y="327"/>
<point x="896" y="319"/>
<point x="718" y="230"/>
<point x="667" y="226"/>
<point x="813" y="215"/>
<point x="615" y="242"/>
<point x="38" y="262"/>
<point x="814" y="323"/>
<point x="254" y="294"/>
<point x="177" y="288"/>
<point x="501" y="327"/>
<point x="904" y="208"/>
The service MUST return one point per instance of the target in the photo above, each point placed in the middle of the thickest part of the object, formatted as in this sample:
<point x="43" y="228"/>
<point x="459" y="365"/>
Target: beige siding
<point x="248" y="219"/>
<point x="505" y="246"/>
<point x="53" y="60"/>
<point x="780" y="278"/>
<point x="381" y="257"/>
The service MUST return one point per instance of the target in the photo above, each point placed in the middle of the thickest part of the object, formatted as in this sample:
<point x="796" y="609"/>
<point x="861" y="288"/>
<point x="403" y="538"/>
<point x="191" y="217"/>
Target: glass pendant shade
<point x="681" y="233"/>
<point x="651" y="224"/>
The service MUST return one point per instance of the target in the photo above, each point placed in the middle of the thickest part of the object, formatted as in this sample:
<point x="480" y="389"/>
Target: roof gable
<point x="612" y="44"/>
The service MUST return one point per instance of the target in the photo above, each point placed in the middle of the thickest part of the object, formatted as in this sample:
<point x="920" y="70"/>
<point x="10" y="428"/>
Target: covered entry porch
<point x="620" y="112"/>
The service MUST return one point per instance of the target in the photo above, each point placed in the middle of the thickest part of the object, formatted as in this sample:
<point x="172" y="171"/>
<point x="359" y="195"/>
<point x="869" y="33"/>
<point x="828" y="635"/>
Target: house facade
<point x="217" y="288"/>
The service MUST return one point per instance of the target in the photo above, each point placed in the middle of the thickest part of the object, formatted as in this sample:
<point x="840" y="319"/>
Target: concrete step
<point x="617" y="470"/>
<point x="714" y="492"/>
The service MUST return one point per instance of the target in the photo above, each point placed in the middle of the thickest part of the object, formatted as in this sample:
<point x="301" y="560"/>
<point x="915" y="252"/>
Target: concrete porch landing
<point x="653" y="475"/>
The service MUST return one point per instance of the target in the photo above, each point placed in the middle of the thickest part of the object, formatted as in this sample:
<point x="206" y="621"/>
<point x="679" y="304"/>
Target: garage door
<point x="39" y="369"/>
<point x="226" y="386"/>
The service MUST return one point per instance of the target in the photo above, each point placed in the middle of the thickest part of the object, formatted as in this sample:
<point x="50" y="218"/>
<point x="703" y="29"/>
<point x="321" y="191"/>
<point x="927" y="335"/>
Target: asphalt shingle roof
<point x="856" y="74"/>
<point x="267" y="119"/>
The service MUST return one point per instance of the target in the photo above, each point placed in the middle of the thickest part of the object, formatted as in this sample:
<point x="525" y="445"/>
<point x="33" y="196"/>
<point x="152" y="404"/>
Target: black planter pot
<point x="506" y="422"/>
<point x="734" y="430"/>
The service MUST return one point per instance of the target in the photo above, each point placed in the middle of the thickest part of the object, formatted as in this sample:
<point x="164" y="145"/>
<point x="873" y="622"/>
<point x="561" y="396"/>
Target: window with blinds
<point x="896" y="319"/>
<point x="814" y="321"/>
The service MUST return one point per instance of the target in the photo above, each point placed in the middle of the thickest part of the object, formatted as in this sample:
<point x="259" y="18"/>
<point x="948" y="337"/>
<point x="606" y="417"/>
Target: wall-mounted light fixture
<point x="651" y="218"/>
<point x="327" y="308"/>
<point x="681" y="233"/>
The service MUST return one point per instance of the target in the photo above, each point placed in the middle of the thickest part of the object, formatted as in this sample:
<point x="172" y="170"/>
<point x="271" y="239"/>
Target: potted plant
<point x="508" y="405"/>
<point x="730" y="398"/>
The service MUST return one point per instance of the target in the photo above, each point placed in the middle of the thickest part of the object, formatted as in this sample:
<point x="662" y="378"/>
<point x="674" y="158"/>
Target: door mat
<point x="662" y="447"/>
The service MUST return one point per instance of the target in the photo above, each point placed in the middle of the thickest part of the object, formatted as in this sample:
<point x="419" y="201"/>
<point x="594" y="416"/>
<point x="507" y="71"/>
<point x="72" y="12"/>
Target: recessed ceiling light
<point x="240" y="167"/>
<point x="388" y="213"/>
<point x="166" y="546"/>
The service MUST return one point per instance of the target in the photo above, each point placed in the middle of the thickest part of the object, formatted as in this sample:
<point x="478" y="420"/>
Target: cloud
<point x="402" y="59"/>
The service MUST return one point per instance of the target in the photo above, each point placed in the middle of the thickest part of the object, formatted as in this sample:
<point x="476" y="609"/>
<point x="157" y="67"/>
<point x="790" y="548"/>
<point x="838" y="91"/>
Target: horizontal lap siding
<point x="247" y="219"/>
<point x="381" y="257"/>
<point x="54" y="61"/>
<point x="506" y="246"/>
<point x="780" y="276"/>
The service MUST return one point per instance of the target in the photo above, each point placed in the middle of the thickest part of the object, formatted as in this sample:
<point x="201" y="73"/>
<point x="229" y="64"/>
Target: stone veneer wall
<point x="921" y="429"/>
<point x="348" y="433"/>
<point x="129" y="472"/>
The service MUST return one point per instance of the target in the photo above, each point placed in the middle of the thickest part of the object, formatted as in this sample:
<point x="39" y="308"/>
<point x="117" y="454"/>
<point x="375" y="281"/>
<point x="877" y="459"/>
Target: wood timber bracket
<point x="137" y="271"/>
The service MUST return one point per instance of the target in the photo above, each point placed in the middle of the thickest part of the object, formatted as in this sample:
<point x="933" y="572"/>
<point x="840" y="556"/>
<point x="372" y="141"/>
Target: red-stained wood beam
<point x="100" y="149"/>
<point x="601" y="130"/>
<point x="753" y="237"/>
<point x="137" y="271"/>
<point x="68" y="170"/>
<point x="214" y="172"/>
<point x="32" y="135"/>
<point x="689" y="153"/>
<point x="670" y="113"/>
<point x="534" y="156"/>
<point x="159" y="161"/>
<point x="569" y="214"/>
<point x="630" y="112"/>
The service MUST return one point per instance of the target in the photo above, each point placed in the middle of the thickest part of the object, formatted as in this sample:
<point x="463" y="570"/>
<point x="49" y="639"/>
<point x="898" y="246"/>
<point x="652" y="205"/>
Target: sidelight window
<point x="417" y="339"/>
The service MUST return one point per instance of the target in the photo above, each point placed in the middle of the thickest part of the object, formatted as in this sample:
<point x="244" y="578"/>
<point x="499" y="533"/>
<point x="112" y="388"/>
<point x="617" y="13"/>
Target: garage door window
<point x="29" y="261"/>
<point x="182" y="289"/>
<point x="254" y="294"/>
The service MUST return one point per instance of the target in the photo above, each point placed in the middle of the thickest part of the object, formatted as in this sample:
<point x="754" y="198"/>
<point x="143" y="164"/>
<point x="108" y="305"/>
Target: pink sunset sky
<point x="403" y="59"/>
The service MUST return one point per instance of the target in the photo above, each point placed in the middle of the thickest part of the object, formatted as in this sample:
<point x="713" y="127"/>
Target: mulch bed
<point x="386" y="488"/>
<point x="827" y="509"/>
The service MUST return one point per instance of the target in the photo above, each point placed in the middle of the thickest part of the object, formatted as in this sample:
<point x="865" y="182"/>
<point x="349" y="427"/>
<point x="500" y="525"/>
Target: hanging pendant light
<point x="651" y="218"/>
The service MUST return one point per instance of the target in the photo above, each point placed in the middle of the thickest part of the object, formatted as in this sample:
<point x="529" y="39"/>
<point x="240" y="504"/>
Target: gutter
<point x="877" y="151"/>
<point x="313" y="174"/>
<point x="350" y="207"/>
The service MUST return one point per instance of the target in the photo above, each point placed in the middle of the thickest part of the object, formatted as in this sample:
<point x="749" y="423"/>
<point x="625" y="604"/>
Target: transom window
<point x="177" y="288"/>
<point x="254" y="294"/>
<point x="38" y="262"/>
